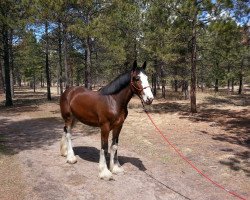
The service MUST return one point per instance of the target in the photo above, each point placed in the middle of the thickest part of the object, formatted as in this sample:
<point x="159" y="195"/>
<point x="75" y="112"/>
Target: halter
<point x="139" y="89"/>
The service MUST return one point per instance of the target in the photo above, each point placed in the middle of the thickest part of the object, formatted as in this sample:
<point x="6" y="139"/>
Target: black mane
<point x="116" y="85"/>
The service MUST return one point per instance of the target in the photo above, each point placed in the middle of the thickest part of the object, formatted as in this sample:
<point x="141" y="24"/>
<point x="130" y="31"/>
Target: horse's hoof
<point x="117" y="170"/>
<point x="72" y="160"/>
<point x="105" y="175"/>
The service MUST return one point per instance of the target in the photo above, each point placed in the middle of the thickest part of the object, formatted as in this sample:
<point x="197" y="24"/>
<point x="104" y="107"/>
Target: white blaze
<point x="147" y="91"/>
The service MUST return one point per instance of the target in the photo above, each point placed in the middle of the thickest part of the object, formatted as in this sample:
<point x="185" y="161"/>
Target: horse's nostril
<point x="149" y="100"/>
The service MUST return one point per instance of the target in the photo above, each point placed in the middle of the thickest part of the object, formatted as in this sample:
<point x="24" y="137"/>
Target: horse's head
<point x="139" y="83"/>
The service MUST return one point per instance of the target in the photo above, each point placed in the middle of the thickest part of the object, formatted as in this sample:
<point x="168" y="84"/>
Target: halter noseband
<point x="139" y="89"/>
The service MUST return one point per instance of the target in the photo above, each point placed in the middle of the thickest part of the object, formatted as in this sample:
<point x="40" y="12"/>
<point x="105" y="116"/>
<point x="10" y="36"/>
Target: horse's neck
<point x="123" y="97"/>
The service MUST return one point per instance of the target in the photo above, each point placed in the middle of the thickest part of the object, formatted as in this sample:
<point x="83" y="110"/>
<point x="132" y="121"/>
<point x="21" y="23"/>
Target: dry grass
<point x="216" y="139"/>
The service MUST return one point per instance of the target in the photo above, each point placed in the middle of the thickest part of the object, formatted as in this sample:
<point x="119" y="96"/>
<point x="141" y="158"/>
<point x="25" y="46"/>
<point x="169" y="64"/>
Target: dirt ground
<point x="216" y="140"/>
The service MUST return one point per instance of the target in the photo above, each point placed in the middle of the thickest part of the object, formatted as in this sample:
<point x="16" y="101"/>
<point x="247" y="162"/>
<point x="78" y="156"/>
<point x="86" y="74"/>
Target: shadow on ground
<point x="238" y="160"/>
<point x="92" y="154"/>
<point x="235" y="122"/>
<point x="23" y="103"/>
<point x="29" y="133"/>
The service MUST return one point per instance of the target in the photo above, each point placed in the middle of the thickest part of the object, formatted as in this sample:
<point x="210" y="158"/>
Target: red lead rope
<point x="190" y="163"/>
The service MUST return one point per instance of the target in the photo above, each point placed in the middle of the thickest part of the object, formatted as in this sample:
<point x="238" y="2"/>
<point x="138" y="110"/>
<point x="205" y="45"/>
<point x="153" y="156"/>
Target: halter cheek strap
<point x="139" y="89"/>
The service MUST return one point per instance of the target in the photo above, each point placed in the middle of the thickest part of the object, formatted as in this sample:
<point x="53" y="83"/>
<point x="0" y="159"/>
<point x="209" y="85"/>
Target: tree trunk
<point x="41" y="81"/>
<point x="163" y="83"/>
<point x="66" y="67"/>
<point x="78" y="76"/>
<point x="6" y="58"/>
<point x="202" y="78"/>
<point x="60" y="66"/>
<point x="154" y="84"/>
<point x="216" y="86"/>
<point x="228" y="86"/>
<point x="175" y="85"/>
<point x="47" y="71"/>
<point x="11" y="64"/>
<point x="175" y="80"/>
<point x="232" y="89"/>
<point x="228" y="80"/>
<point x="202" y="85"/>
<point x="241" y="78"/>
<point x="240" y="84"/>
<point x="154" y="76"/>
<point x="193" y="65"/>
<point x="1" y="79"/>
<point x="34" y="82"/>
<point x="88" y="78"/>
<point x="18" y="77"/>
<point x="163" y="89"/>
<point x="185" y="89"/>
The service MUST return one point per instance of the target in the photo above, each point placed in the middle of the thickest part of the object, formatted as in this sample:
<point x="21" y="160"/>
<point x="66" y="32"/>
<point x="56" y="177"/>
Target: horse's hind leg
<point x="63" y="145"/>
<point x="66" y="144"/>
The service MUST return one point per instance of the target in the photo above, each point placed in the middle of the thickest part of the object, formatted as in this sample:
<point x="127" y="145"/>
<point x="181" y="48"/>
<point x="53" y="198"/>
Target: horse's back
<point x="70" y="92"/>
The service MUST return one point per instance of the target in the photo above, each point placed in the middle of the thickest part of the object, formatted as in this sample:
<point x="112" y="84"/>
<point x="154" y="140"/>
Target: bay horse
<point x="107" y="109"/>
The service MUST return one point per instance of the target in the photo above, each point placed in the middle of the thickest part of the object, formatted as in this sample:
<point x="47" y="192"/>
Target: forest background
<point x="189" y="45"/>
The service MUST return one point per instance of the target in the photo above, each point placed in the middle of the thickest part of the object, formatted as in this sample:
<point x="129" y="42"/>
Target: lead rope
<point x="187" y="160"/>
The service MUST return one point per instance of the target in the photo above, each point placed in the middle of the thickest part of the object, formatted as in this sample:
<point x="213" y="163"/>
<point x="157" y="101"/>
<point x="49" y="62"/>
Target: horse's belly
<point x="87" y="117"/>
<point x="90" y="123"/>
<point x="84" y="107"/>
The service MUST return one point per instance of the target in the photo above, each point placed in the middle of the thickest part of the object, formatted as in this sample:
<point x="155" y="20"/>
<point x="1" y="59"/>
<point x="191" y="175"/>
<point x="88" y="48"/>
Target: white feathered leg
<point x="71" y="158"/>
<point x="104" y="173"/>
<point x="115" y="166"/>
<point x="63" y="146"/>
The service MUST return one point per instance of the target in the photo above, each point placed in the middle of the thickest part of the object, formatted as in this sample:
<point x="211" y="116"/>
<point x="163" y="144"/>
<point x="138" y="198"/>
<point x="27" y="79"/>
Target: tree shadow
<point x="29" y="133"/>
<point x="91" y="154"/>
<point x="165" y="107"/>
<point x="238" y="161"/>
<point x="21" y="105"/>
<point x="235" y="100"/>
<point x="235" y="123"/>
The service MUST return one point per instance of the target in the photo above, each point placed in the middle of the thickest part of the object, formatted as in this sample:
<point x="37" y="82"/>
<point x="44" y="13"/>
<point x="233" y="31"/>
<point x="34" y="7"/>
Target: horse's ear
<point x="144" y="65"/>
<point x="134" y="65"/>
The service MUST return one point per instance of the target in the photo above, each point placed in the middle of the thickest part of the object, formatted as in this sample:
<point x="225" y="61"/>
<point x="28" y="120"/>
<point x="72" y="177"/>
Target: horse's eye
<point x="137" y="78"/>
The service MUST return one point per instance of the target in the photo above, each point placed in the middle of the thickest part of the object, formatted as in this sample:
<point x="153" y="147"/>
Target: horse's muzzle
<point x="149" y="101"/>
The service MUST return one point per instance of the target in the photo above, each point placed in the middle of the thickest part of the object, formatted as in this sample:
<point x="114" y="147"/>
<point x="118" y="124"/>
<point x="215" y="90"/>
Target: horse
<point x="105" y="108"/>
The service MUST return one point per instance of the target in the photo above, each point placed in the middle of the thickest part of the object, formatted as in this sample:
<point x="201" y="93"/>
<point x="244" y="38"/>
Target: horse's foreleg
<point x="115" y="166"/>
<point x="66" y="146"/>
<point x="104" y="173"/>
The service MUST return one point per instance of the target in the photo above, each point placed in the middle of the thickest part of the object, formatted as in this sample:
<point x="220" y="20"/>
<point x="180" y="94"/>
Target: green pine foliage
<point x="100" y="39"/>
